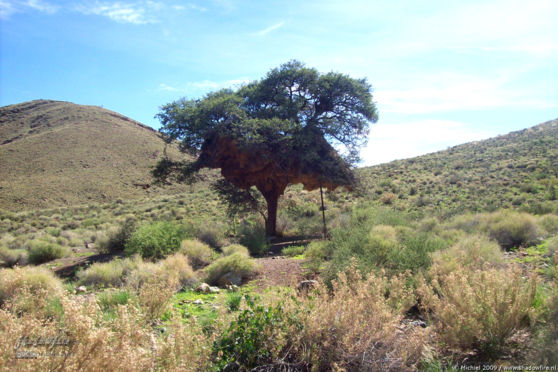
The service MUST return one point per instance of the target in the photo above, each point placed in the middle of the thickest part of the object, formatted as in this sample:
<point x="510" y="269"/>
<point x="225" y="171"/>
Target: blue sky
<point x="444" y="72"/>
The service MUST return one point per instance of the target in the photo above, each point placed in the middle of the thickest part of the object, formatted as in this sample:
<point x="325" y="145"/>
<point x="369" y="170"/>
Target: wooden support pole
<point x="323" y="212"/>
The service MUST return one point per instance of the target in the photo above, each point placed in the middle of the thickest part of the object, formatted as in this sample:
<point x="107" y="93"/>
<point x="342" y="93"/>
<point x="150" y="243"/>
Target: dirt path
<point x="279" y="271"/>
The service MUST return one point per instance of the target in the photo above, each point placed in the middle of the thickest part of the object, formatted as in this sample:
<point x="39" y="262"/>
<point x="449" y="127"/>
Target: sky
<point x="443" y="72"/>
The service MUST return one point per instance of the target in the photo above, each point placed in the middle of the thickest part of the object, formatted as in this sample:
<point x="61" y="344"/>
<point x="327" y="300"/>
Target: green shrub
<point x="234" y="299"/>
<point x="512" y="229"/>
<point x="548" y="339"/>
<point x="109" y="274"/>
<point x="235" y="248"/>
<point x="317" y="250"/>
<point x="395" y="249"/>
<point x="212" y="235"/>
<point x="252" y="236"/>
<point x="372" y="215"/>
<point x="253" y="339"/>
<point x="199" y="254"/>
<point x="115" y="239"/>
<point x="156" y="240"/>
<point x="110" y="299"/>
<point x="294" y="250"/>
<point x="237" y="264"/>
<point x="549" y="222"/>
<point x="43" y="251"/>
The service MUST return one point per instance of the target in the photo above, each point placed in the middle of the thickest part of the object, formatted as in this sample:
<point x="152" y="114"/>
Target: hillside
<point x="516" y="170"/>
<point x="58" y="153"/>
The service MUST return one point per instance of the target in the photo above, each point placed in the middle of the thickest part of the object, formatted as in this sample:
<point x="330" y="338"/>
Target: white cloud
<point x="404" y="140"/>
<point x="167" y="88"/>
<point x="198" y="88"/>
<point x="196" y="7"/>
<point x="135" y="13"/>
<point x="42" y="6"/>
<point x="500" y="24"/>
<point x="446" y="92"/>
<point x="6" y="9"/>
<point x="267" y="30"/>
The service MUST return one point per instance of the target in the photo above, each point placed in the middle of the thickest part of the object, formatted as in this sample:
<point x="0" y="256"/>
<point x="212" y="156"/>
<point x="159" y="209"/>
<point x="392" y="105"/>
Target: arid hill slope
<point x="56" y="153"/>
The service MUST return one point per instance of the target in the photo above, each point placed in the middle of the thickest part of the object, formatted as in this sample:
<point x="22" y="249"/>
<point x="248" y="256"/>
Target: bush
<point x="110" y="274"/>
<point x="235" y="248"/>
<point x="473" y="252"/>
<point x="388" y="198"/>
<point x="156" y="240"/>
<point x="252" y="339"/>
<point x="28" y="288"/>
<point x="395" y="249"/>
<point x="510" y="229"/>
<point x="513" y="229"/>
<point x="549" y="222"/>
<point x="352" y="327"/>
<point x="198" y="253"/>
<point x="111" y="299"/>
<point x="237" y="264"/>
<point x="176" y="268"/>
<point x="115" y="239"/>
<point x="174" y="271"/>
<point x="548" y="339"/>
<point x="12" y="257"/>
<point x="295" y="250"/>
<point x="478" y="309"/>
<point x="252" y="236"/>
<point x="212" y="235"/>
<point x="43" y="251"/>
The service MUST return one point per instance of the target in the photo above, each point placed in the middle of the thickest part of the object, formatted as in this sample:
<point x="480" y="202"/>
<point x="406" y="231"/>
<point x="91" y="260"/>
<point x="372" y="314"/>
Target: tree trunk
<point x="272" y="200"/>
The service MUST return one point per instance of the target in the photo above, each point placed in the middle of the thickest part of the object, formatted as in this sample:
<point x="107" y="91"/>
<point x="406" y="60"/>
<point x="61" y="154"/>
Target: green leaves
<point x="249" y="341"/>
<point x="278" y="106"/>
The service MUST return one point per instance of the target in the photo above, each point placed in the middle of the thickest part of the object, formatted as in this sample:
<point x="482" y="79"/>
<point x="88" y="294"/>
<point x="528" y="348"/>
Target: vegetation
<point x="156" y="240"/>
<point x="237" y="264"/>
<point x="107" y="157"/>
<point x="273" y="132"/>
<point x="458" y="269"/>
<point x="198" y="253"/>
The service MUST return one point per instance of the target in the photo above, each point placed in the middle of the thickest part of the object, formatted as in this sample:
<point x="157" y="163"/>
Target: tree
<point x="282" y="129"/>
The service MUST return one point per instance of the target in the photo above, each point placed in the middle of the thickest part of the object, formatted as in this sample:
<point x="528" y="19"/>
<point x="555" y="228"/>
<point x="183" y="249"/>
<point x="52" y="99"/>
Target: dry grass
<point x="237" y="264"/>
<point x="479" y="309"/>
<point x="28" y="289"/>
<point x="125" y="343"/>
<point x="100" y="146"/>
<point x="199" y="254"/>
<point x="474" y="252"/>
<point x="358" y="325"/>
<point x="235" y="248"/>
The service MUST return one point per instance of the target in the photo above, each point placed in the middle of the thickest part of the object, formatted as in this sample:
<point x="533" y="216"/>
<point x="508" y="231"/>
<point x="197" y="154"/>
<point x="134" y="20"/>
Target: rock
<point x="213" y="290"/>
<point x="202" y="288"/>
<point x="198" y="302"/>
<point x="81" y="289"/>
<point x="306" y="285"/>
<point x="232" y="288"/>
<point x="417" y="323"/>
<point x="229" y="279"/>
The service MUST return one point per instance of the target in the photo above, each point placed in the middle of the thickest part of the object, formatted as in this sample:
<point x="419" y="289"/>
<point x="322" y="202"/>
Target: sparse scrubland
<point x="434" y="263"/>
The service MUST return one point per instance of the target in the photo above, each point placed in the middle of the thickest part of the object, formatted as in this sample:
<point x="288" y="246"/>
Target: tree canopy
<point x="293" y="126"/>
